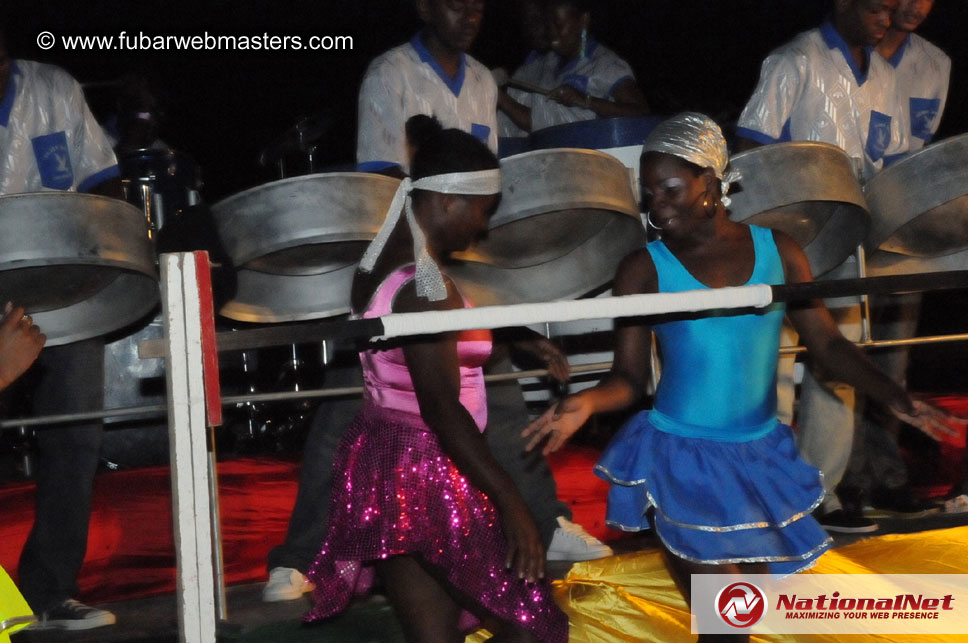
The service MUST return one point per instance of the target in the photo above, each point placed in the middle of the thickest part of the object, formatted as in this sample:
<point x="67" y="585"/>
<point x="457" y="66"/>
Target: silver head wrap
<point x="696" y="138"/>
<point x="430" y="282"/>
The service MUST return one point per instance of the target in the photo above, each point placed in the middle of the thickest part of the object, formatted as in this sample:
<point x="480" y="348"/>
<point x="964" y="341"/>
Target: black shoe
<point x="898" y="503"/>
<point x="73" y="615"/>
<point x="845" y="522"/>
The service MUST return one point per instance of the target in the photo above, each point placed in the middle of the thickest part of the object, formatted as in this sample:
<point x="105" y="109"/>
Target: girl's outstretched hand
<point x="930" y="420"/>
<point x="558" y="423"/>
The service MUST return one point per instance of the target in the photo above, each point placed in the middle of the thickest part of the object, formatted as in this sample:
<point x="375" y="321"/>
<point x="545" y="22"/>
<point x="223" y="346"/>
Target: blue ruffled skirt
<point x="716" y="502"/>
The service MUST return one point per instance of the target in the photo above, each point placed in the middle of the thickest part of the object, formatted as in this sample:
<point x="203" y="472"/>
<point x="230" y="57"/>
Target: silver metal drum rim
<point x="882" y="263"/>
<point x="135" y="253"/>
<point x="132" y="295"/>
<point x="244" y="260"/>
<point x="268" y="298"/>
<point x="118" y="234"/>
<point x="586" y="268"/>
<point x="614" y="203"/>
<point x="762" y="196"/>
<point x="786" y="198"/>
<point x="927" y="179"/>
<point x="363" y="176"/>
<point x="237" y="215"/>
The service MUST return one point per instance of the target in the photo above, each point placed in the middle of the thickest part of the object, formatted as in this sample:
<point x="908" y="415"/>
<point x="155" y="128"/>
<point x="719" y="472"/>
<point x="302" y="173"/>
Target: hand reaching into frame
<point x="930" y="420"/>
<point x="568" y="96"/>
<point x="558" y="423"/>
<point x="20" y="343"/>
<point x="548" y="353"/>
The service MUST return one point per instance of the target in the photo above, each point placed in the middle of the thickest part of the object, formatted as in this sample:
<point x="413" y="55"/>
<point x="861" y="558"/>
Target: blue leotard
<point x="699" y="394"/>
<point x="723" y="475"/>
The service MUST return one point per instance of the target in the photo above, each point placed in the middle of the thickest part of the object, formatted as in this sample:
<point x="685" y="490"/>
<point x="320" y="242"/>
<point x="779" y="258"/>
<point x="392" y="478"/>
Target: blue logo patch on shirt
<point x="54" y="161"/>
<point x="923" y="113"/>
<point x="480" y="132"/>
<point x="878" y="135"/>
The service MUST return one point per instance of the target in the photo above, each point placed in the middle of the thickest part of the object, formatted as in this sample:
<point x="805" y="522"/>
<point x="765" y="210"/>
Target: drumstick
<point x="527" y="87"/>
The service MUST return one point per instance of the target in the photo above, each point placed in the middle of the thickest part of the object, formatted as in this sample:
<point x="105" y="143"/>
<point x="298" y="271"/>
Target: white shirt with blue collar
<point x="407" y="81"/>
<point x="597" y="74"/>
<point x="49" y="140"/>
<point x="923" y="72"/>
<point x="811" y="89"/>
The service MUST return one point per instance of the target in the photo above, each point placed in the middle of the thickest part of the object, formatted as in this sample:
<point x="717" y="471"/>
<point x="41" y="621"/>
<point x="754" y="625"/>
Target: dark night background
<point x="223" y="108"/>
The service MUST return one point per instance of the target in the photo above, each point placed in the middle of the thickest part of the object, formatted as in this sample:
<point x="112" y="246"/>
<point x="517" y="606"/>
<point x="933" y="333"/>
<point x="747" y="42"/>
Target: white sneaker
<point x="285" y="584"/>
<point x="572" y="543"/>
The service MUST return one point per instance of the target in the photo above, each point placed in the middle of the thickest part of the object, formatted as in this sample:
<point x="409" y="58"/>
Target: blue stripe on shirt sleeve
<point x="890" y="159"/>
<point x="106" y="174"/>
<point x="375" y="166"/>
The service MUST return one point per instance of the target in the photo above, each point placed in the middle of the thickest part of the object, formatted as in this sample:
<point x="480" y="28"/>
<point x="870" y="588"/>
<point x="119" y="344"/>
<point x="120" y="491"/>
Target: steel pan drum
<point x="566" y="218"/>
<point x="297" y="242"/>
<point x="597" y="134"/>
<point x="808" y="190"/>
<point x="919" y="206"/>
<point x="267" y="298"/>
<point x="82" y="265"/>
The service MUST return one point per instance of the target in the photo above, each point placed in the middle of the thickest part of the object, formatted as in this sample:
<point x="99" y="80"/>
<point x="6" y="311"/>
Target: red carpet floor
<point x="131" y="553"/>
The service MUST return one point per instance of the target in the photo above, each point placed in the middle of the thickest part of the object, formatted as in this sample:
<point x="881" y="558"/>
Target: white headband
<point x="430" y="282"/>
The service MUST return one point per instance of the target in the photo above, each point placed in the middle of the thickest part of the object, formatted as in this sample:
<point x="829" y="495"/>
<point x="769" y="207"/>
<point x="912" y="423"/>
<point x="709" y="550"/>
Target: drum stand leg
<point x="25" y="457"/>
<point x="251" y="409"/>
<point x="218" y="559"/>
<point x="865" y="304"/>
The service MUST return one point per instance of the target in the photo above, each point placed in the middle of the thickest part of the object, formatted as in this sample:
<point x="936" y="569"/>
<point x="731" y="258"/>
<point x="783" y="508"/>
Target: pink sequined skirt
<point x="396" y="492"/>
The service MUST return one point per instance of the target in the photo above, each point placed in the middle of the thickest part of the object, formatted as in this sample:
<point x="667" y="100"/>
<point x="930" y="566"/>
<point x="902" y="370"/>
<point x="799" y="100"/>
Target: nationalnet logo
<point x="863" y="607"/>
<point x="741" y="604"/>
<point x="830" y="604"/>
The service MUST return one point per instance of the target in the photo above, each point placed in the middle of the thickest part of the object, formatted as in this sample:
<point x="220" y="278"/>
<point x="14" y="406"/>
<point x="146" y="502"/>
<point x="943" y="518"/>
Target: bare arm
<point x="839" y="359"/>
<point x="535" y="347"/>
<point x="519" y="114"/>
<point x="628" y="100"/>
<point x="625" y="384"/>
<point x="434" y="370"/>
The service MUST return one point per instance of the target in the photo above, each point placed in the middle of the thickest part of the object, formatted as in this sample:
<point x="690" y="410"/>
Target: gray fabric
<point x="68" y="455"/>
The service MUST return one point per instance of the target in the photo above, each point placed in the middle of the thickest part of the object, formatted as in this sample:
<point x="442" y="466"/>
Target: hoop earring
<point x="584" y="43"/>
<point x="648" y="219"/>
<point x="709" y="208"/>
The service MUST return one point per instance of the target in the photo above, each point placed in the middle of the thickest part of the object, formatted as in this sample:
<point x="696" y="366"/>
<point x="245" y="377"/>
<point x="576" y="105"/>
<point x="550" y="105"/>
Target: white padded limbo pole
<point x="188" y="449"/>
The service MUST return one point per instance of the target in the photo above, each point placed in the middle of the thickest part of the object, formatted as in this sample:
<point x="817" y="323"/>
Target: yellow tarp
<point x="632" y="598"/>
<point x="12" y="605"/>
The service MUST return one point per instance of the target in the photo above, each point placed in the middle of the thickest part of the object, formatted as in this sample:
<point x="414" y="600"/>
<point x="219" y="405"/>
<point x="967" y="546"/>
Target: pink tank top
<point x="386" y="379"/>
